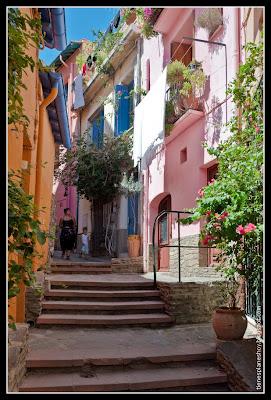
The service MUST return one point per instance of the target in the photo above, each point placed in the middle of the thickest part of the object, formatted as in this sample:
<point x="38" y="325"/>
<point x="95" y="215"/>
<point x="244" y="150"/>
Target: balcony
<point x="184" y="97"/>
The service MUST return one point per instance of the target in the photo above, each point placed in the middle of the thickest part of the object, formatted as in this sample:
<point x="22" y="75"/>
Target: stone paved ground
<point x="125" y="339"/>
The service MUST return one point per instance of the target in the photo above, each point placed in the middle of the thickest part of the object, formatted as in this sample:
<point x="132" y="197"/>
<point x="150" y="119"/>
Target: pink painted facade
<point x="68" y="198"/>
<point x="180" y="167"/>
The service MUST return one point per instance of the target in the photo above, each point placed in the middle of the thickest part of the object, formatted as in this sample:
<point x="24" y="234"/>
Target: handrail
<point x="179" y="239"/>
<point x="178" y="212"/>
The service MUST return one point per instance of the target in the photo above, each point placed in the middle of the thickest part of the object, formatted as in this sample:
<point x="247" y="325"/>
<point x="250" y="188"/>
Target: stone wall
<point x="238" y="359"/>
<point x="125" y="265"/>
<point x="17" y="352"/>
<point x="194" y="261"/>
<point x="34" y="297"/>
<point x="191" y="302"/>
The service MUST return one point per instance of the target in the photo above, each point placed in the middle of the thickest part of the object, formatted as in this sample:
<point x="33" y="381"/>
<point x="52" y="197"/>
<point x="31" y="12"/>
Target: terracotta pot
<point x="229" y="324"/>
<point x="131" y="18"/>
<point x="133" y="245"/>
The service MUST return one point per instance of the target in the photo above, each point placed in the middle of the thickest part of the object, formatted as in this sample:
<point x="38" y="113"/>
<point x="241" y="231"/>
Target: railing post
<point x="179" y="248"/>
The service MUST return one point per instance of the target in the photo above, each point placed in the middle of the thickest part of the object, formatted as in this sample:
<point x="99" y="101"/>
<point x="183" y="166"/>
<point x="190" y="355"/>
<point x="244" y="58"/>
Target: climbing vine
<point x="23" y="32"/>
<point x="232" y="204"/>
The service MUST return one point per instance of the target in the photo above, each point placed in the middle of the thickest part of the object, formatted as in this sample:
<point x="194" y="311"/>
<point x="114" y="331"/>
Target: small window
<point x="183" y="155"/>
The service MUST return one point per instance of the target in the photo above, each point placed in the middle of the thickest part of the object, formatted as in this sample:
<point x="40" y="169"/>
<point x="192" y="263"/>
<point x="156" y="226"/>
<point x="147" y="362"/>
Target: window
<point x="212" y="172"/>
<point x="181" y="52"/>
<point x="122" y="115"/>
<point x="66" y="91"/>
<point x="183" y="155"/>
<point x="97" y="129"/>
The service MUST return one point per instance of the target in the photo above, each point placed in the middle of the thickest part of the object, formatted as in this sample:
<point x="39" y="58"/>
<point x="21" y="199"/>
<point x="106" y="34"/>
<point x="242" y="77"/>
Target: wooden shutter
<point x="122" y="113"/>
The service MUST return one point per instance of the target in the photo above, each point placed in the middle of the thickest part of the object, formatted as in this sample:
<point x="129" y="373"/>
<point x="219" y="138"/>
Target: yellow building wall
<point x="23" y="147"/>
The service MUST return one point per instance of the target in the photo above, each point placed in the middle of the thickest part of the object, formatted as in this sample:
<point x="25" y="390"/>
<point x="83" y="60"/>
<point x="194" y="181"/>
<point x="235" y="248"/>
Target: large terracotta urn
<point x="133" y="245"/>
<point x="229" y="323"/>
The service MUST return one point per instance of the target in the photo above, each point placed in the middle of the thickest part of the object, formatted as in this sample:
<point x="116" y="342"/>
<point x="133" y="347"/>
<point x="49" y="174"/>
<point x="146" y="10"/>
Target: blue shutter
<point x="122" y="112"/>
<point x="131" y="215"/>
<point x="98" y="129"/>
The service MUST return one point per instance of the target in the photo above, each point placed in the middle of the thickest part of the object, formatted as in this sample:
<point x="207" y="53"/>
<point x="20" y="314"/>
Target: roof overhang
<point x="117" y="56"/>
<point x="54" y="27"/>
<point x="167" y="19"/>
<point x="66" y="53"/>
<point x="57" y="110"/>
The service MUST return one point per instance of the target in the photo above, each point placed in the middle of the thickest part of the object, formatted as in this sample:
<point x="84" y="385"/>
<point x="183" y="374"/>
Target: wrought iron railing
<point x="179" y="246"/>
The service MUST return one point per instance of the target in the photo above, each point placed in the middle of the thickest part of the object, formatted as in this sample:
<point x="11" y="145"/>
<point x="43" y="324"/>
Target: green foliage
<point x="23" y="32"/>
<point x="97" y="172"/>
<point x="233" y="203"/>
<point x="86" y="49"/>
<point x="24" y="232"/>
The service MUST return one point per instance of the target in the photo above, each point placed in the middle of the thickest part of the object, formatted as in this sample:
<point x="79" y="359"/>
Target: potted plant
<point x="230" y="322"/>
<point x="129" y="15"/>
<point x="193" y="88"/>
<point x="210" y="19"/>
<point x="130" y="188"/>
<point x="186" y="85"/>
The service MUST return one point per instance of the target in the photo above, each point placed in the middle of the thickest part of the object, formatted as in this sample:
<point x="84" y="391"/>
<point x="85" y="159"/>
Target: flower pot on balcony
<point x="192" y="102"/>
<point x="229" y="323"/>
<point x="133" y="245"/>
<point x="131" y="18"/>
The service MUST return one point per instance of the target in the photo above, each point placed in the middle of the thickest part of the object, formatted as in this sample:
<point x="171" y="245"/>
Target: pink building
<point x="180" y="166"/>
<point x="65" y="63"/>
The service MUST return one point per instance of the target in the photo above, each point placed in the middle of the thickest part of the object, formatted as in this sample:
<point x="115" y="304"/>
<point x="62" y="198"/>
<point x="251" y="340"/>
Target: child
<point x="85" y="237"/>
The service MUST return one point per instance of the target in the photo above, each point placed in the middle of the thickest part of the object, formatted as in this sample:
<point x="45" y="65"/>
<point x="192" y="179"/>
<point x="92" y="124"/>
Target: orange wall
<point x="24" y="147"/>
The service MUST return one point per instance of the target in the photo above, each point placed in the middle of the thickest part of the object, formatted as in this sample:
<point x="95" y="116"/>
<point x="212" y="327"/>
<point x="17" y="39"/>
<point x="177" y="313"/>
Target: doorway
<point x="164" y="234"/>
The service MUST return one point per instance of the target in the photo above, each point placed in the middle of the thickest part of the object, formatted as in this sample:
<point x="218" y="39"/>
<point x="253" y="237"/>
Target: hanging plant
<point x="210" y="19"/>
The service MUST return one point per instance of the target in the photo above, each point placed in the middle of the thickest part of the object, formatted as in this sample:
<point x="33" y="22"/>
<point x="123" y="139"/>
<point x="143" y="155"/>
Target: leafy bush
<point x="232" y="205"/>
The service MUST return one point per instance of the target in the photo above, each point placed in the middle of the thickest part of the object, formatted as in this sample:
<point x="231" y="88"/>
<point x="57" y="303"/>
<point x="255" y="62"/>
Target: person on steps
<point x="67" y="236"/>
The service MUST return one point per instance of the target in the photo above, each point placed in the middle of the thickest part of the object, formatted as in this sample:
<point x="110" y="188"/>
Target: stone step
<point x="101" y="294"/>
<point x="83" y="283"/>
<point x="65" y="263"/>
<point x="117" y="306"/>
<point x="114" y="356"/>
<point x="123" y="380"/>
<point x="104" y="320"/>
<point x="81" y="269"/>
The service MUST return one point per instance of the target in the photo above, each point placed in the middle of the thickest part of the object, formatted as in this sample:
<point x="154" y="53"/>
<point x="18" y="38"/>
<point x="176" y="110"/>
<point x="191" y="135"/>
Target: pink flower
<point x="211" y="181"/>
<point x="241" y="230"/>
<point x="249" y="227"/>
<point x="257" y="129"/>
<point x="119" y="92"/>
<point x="147" y="12"/>
<point x="200" y="192"/>
<point x="207" y="239"/>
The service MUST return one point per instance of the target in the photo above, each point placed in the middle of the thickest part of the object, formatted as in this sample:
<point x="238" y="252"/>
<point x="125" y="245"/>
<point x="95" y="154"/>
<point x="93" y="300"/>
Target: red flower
<point x="208" y="213"/>
<point x="207" y="239"/>
<point x="241" y="230"/>
<point x="249" y="227"/>
<point x="225" y="213"/>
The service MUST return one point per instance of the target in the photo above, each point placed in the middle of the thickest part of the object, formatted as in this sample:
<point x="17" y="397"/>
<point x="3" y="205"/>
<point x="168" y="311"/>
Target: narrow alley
<point x="135" y="199"/>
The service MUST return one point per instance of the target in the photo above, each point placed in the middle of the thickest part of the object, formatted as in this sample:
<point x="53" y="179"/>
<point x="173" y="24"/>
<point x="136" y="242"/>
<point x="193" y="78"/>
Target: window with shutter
<point x="122" y="116"/>
<point x="98" y="129"/>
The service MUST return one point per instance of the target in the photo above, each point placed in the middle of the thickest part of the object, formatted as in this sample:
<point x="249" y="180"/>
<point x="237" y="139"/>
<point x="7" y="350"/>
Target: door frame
<point x="163" y="252"/>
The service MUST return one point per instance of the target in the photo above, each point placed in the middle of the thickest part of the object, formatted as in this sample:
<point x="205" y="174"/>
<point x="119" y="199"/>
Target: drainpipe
<point x="48" y="100"/>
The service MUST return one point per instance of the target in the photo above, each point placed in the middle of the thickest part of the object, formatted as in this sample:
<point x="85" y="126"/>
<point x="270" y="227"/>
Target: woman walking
<point x="67" y="236"/>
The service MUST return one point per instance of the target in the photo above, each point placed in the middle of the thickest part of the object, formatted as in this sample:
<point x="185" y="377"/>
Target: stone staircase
<point x="101" y="300"/>
<point x="158" y="368"/>
<point x="75" y="355"/>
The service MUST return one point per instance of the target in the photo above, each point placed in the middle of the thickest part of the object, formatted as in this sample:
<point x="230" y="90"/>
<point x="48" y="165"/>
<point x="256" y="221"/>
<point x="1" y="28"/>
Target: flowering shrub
<point x="232" y="204"/>
<point x="143" y="19"/>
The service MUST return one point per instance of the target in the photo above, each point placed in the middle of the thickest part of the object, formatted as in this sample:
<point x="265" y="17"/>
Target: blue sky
<point x="79" y="24"/>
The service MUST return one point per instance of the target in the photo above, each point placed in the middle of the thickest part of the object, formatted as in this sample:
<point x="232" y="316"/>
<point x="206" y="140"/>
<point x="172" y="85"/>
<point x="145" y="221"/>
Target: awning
<point x="57" y="110"/>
